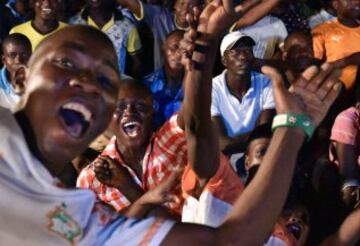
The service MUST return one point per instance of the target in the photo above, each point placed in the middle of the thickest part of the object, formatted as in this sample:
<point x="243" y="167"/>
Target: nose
<point x="87" y="83"/>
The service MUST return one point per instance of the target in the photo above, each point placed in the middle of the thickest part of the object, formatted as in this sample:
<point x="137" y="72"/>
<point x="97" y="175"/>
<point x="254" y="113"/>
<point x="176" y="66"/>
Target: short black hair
<point x="261" y="131"/>
<point x="17" y="39"/>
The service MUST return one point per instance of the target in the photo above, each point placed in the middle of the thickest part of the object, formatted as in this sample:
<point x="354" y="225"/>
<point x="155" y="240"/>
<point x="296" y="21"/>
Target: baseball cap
<point x="232" y="38"/>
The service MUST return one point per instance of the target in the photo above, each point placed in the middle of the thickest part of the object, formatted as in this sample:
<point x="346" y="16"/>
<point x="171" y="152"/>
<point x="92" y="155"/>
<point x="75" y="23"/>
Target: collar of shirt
<point x="5" y="82"/>
<point x="109" y="24"/>
<point x="179" y="27"/>
<point x="249" y="91"/>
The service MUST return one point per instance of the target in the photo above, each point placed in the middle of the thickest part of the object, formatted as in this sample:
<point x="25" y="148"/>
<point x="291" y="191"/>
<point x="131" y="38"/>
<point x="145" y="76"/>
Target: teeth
<point x="78" y="107"/>
<point x="131" y="123"/>
<point x="47" y="10"/>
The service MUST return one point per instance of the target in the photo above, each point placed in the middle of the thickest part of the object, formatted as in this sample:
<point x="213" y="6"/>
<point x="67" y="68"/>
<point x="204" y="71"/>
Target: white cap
<point x="230" y="39"/>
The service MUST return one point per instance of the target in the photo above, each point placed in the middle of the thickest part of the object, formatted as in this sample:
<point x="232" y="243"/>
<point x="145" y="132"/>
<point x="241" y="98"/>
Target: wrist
<point x="296" y="121"/>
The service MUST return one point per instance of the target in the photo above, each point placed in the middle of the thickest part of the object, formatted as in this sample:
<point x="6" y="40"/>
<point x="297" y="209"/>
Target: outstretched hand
<point x="312" y="94"/>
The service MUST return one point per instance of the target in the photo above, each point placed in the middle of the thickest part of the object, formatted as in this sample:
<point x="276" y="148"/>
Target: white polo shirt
<point x="240" y="117"/>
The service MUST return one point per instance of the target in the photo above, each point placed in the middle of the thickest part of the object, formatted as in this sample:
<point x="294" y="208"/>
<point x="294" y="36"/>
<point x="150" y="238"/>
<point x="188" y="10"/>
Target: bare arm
<point x="347" y="161"/>
<point x="348" y="233"/>
<point x="256" y="13"/>
<point x="133" y="5"/>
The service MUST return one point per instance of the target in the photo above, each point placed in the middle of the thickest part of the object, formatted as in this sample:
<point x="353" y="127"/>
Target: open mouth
<point x="76" y="118"/>
<point x="132" y="128"/>
<point x="47" y="10"/>
<point x="295" y="229"/>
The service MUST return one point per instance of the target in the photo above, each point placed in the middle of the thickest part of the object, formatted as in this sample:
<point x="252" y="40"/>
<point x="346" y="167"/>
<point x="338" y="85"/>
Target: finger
<point x="276" y="78"/>
<point x="209" y="9"/>
<point x="171" y="181"/>
<point x="333" y="94"/>
<point x="306" y="76"/>
<point x="228" y="5"/>
<point x="318" y="80"/>
<point x="327" y="86"/>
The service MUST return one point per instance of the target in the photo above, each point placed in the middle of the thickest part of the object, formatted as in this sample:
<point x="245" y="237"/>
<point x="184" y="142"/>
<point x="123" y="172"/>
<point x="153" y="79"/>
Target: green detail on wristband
<point x="294" y="120"/>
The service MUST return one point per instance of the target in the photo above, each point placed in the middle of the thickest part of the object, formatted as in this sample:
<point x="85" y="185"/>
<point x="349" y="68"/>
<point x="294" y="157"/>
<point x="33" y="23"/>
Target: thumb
<point x="171" y="181"/>
<point x="276" y="78"/>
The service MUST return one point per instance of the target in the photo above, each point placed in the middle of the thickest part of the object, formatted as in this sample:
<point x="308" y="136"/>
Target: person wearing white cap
<point x="241" y="98"/>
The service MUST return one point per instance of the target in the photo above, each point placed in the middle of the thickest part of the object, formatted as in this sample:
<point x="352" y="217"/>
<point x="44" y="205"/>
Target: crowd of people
<point x="180" y="122"/>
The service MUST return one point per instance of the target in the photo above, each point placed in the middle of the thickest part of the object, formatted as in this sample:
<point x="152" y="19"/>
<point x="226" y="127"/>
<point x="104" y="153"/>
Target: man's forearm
<point x="260" y="204"/>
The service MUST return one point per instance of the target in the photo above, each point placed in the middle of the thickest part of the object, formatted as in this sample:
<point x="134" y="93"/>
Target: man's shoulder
<point x="22" y="28"/>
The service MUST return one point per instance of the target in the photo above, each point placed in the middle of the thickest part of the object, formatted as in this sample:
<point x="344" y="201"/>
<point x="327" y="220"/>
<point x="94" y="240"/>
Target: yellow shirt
<point x="133" y="41"/>
<point x="34" y="36"/>
<point x="333" y="41"/>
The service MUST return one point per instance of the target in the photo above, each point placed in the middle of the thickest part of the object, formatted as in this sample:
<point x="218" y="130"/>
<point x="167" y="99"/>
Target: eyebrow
<point x="80" y="48"/>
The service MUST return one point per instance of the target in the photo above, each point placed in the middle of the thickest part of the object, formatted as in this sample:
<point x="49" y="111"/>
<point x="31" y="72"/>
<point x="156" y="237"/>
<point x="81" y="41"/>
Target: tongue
<point x="132" y="131"/>
<point x="74" y="122"/>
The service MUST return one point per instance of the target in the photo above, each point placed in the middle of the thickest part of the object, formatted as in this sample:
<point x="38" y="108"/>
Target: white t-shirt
<point x="268" y="34"/>
<point x="35" y="211"/>
<point x="240" y="117"/>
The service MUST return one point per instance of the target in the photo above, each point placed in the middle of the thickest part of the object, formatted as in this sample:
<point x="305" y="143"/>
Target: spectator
<point x="102" y="14"/>
<point x="241" y="98"/>
<point x="166" y="82"/>
<point x="44" y="24"/>
<point x="16" y="50"/>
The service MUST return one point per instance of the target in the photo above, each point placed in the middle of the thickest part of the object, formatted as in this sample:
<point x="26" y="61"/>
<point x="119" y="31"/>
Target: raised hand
<point x="219" y="15"/>
<point x="312" y="94"/>
<point x="112" y="173"/>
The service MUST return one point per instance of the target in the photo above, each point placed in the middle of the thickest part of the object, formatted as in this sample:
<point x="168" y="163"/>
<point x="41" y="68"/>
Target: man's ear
<point x="284" y="55"/>
<point x="335" y="5"/>
<point x="246" y="162"/>
<point x="223" y="61"/>
<point x="3" y="59"/>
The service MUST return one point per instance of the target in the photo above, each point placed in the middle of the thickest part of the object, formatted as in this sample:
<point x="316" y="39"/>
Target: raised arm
<point x="133" y="5"/>
<point x="256" y="13"/>
<point x="194" y="116"/>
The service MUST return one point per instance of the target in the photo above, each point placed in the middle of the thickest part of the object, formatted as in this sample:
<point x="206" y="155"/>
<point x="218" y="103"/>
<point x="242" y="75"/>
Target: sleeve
<point x="86" y="178"/>
<point x="215" y="107"/>
<point x="148" y="13"/>
<point x="268" y="100"/>
<point x="133" y="42"/>
<point x="346" y="127"/>
<point x="150" y="231"/>
<point x="319" y="43"/>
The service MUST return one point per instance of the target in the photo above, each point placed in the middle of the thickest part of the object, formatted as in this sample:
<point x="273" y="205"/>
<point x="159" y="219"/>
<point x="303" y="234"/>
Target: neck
<point x="100" y="14"/>
<point x="238" y="84"/>
<point x="44" y="26"/>
<point x="348" y="22"/>
<point x="132" y="156"/>
<point x="30" y="138"/>
<point x="174" y="76"/>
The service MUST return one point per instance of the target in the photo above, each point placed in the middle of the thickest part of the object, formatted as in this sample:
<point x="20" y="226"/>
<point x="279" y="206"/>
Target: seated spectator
<point x="298" y="55"/>
<point x="16" y="50"/>
<point x="337" y="39"/>
<point x="102" y="14"/>
<point x="241" y="98"/>
<point x="44" y="24"/>
<point x="268" y="33"/>
<point x="326" y="13"/>
<point x="166" y="82"/>
<point x="345" y="152"/>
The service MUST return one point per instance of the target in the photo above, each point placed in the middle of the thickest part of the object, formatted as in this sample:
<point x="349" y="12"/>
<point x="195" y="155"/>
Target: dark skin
<point x="15" y="56"/>
<point x="181" y="8"/>
<point x="255" y="212"/>
<point x="45" y="16"/>
<point x="101" y="12"/>
<point x="348" y="12"/>
<point x="238" y="62"/>
<point x="174" y="69"/>
<point x="63" y="72"/>
<point x="298" y="54"/>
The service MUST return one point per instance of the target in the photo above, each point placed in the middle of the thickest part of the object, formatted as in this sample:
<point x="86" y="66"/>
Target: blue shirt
<point x="8" y="97"/>
<point x="167" y="100"/>
<point x="5" y="84"/>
